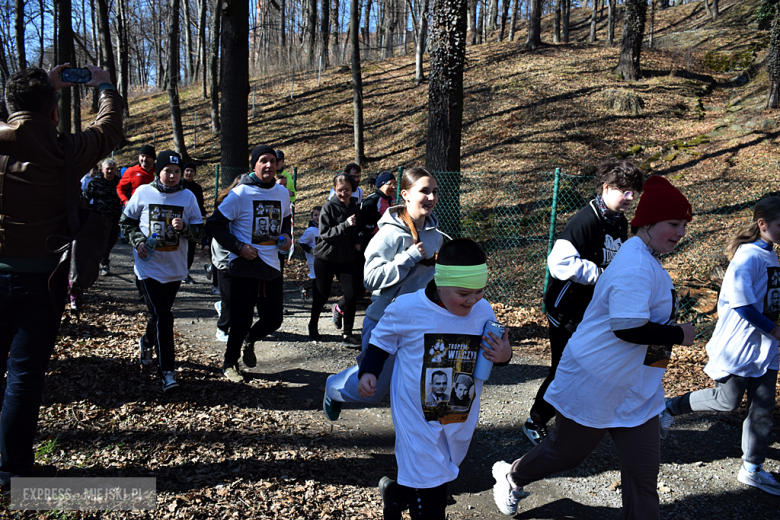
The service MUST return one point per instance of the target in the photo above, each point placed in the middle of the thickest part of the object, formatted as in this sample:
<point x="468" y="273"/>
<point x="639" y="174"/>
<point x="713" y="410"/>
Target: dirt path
<point x="335" y="467"/>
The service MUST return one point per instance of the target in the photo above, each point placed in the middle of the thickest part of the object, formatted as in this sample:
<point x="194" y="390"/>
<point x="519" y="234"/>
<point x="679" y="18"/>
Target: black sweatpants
<point x="159" y="329"/>
<point x="113" y="236"/>
<point x="246" y="294"/>
<point x="191" y="248"/>
<point x="424" y="503"/>
<point x="542" y="411"/>
<point x="346" y="273"/>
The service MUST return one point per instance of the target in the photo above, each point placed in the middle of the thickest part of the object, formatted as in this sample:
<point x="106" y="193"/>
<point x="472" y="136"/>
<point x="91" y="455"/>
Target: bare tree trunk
<point x="173" y="82"/>
<point x="472" y="22"/>
<point x="481" y="30"/>
<point x="445" y="103"/>
<point x="235" y="68"/>
<point x="557" y="22"/>
<point x="707" y="7"/>
<point x="715" y="9"/>
<point x="202" y="44"/>
<point x="189" y="66"/>
<point x="504" y="16"/>
<point x="635" y="14"/>
<point x="104" y="30"/>
<point x="124" y="57"/>
<point x="534" y="40"/>
<point x="66" y="52"/>
<point x="334" y="22"/>
<point x="593" y="16"/>
<point x="311" y="33"/>
<point x="43" y="32"/>
<point x="324" y="32"/>
<point x="652" y="24"/>
<point x="422" y="35"/>
<point x="773" y="65"/>
<point x="367" y="29"/>
<point x="216" y="22"/>
<point x="611" y="23"/>
<point x="21" y="58"/>
<point x="357" y="82"/>
<point x="492" y="15"/>
<point x="516" y="5"/>
<point x="566" y="14"/>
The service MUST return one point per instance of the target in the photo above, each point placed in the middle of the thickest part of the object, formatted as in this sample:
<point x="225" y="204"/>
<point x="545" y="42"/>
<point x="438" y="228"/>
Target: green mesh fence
<point x="516" y="216"/>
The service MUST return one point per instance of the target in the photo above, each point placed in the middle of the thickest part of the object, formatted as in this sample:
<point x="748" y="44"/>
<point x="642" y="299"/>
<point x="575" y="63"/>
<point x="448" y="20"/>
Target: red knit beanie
<point x="661" y="201"/>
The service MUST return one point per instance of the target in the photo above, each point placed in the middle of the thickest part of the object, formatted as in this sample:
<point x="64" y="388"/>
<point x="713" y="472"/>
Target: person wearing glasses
<point x="579" y="256"/>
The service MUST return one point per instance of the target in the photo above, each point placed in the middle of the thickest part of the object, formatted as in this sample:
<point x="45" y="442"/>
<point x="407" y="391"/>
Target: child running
<point x="336" y="254"/>
<point x="165" y="208"/>
<point x="436" y="334"/>
<point x="609" y="378"/>
<point x="579" y="257"/>
<point x="307" y="242"/>
<point x="742" y="352"/>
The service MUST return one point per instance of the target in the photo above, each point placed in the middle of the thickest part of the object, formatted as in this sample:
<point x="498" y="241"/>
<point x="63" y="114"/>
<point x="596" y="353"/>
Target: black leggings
<point x="245" y="295"/>
<point x="222" y="278"/>
<point x="159" y="329"/>
<point x="191" y="248"/>
<point x="346" y="273"/>
<point x="424" y="503"/>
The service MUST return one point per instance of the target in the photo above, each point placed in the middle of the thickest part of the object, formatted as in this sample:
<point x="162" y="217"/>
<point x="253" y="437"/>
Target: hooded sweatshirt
<point x="337" y="238"/>
<point x="391" y="268"/>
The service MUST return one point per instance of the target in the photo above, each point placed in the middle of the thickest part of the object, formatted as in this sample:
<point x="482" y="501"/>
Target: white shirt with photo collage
<point x="433" y="429"/>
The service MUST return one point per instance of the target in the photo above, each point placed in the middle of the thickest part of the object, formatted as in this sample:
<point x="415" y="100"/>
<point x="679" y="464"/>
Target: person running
<point x="161" y="204"/>
<point x="399" y="260"/>
<point x="189" y="183"/>
<point x="436" y="334"/>
<point x="743" y="355"/>
<point x="307" y="242"/>
<point x="579" y="257"/>
<point x="609" y="378"/>
<point x="335" y="255"/>
<point x="241" y="225"/>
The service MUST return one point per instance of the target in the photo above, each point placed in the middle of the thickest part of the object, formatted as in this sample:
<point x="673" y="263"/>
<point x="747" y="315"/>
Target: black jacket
<point x="595" y="240"/>
<point x="337" y="238"/>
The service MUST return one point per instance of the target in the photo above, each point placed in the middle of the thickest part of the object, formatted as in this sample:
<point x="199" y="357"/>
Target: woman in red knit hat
<point x="609" y="379"/>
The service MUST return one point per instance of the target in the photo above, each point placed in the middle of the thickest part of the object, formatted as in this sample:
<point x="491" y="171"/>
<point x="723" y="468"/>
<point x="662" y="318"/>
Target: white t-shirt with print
<point x="603" y="381"/>
<point x="737" y="347"/>
<point x="431" y="441"/>
<point x="155" y="211"/>
<point x="256" y="215"/>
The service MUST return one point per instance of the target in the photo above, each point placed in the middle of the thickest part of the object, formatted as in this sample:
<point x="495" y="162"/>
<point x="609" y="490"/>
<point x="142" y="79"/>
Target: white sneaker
<point x="218" y="306"/>
<point x="221" y="336"/>
<point x="505" y="497"/>
<point x="666" y="420"/>
<point x="760" y="479"/>
<point x="169" y="381"/>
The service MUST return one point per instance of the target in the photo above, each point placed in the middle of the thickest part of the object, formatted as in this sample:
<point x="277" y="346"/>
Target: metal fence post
<point x="398" y="185"/>
<point x="216" y="188"/>
<point x="553" y="213"/>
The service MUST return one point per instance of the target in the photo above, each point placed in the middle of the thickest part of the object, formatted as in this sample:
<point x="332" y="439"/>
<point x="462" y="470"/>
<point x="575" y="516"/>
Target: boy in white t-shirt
<point x="436" y="333"/>
<point x="307" y="242"/>
<point x="165" y="208"/>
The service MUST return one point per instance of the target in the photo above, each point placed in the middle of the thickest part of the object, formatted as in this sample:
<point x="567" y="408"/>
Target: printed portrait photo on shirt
<point x="161" y="222"/>
<point x="266" y="213"/>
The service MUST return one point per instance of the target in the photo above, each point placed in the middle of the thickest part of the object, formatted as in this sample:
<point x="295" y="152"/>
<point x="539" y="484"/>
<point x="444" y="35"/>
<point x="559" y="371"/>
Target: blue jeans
<point x="29" y="322"/>
<point x="343" y="387"/>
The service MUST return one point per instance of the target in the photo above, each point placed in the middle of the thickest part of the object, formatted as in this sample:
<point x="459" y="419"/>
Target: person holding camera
<point x="34" y="221"/>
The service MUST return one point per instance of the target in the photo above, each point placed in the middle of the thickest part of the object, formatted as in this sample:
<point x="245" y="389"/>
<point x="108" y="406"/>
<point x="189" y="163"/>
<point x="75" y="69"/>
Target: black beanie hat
<point x="257" y="151"/>
<point x="165" y="158"/>
<point x="279" y="155"/>
<point x="147" y="149"/>
<point x="189" y="165"/>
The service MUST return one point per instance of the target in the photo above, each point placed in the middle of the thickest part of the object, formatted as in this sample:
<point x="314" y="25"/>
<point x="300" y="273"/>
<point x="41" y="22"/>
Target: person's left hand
<point x="178" y="224"/>
<point x="287" y="242"/>
<point x="500" y="350"/>
<point x="358" y="247"/>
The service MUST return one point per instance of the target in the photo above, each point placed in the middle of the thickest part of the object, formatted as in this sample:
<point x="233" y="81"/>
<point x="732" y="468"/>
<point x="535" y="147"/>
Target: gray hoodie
<point x="391" y="268"/>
